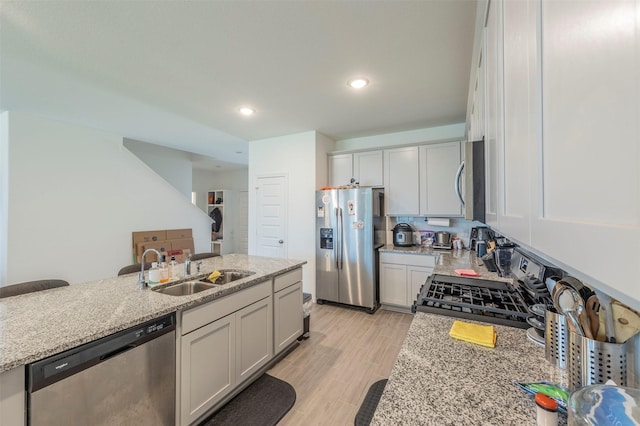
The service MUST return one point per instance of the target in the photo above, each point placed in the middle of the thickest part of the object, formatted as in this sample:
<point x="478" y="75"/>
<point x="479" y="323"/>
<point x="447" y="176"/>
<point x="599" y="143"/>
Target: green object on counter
<point x="556" y="392"/>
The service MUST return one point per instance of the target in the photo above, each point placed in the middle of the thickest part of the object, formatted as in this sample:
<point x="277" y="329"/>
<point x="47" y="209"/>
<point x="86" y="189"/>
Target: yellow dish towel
<point x="474" y="333"/>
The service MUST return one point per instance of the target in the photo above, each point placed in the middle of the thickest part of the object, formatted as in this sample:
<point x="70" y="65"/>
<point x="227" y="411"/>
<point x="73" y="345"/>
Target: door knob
<point x="281" y="241"/>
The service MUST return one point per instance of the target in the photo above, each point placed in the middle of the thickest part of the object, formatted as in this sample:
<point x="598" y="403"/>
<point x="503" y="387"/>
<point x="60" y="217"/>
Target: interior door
<point x="271" y="208"/>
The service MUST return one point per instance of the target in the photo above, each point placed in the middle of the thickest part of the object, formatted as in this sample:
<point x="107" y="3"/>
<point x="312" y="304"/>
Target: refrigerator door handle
<point x="341" y="235"/>
<point x="336" y="243"/>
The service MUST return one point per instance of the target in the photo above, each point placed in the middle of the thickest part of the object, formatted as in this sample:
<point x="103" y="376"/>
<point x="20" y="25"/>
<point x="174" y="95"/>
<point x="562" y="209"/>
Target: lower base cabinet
<point x="288" y="316"/>
<point x="223" y="343"/>
<point x="401" y="276"/>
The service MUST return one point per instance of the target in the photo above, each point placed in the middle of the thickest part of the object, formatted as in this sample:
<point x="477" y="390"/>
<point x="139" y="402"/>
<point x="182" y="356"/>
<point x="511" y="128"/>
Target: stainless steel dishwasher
<point x="125" y="378"/>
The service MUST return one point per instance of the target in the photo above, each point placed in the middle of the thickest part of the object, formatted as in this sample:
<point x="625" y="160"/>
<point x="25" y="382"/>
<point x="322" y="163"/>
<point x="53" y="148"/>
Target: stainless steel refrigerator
<point x="349" y="230"/>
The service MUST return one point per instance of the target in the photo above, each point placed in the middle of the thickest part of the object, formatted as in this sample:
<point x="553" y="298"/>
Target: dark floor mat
<point x="263" y="403"/>
<point x="370" y="403"/>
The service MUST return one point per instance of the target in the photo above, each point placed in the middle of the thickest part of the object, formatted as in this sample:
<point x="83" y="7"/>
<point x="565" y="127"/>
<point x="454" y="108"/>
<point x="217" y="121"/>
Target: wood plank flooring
<point x="347" y="351"/>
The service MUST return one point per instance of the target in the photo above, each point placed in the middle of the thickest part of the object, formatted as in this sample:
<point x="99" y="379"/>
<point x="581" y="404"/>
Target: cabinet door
<point x="393" y="284"/>
<point x="587" y="205"/>
<point x="401" y="181"/>
<point x="417" y="276"/>
<point x="520" y="118"/>
<point x="493" y="109"/>
<point x="254" y="325"/>
<point x="208" y="369"/>
<point x="439" y="164"/>
<point x="287" y="316"/>
<point x="340" y="169"/>
<point x="367" y="168"/>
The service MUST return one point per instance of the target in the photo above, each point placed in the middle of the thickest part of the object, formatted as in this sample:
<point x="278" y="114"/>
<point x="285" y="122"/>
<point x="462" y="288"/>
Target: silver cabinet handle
<point x="281" y="241"/>
<point x="457" y="183"/>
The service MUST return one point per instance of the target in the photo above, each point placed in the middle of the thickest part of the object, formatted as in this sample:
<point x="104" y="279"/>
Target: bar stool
<point x="30" y="287"/>
<point x="200" y="256"/>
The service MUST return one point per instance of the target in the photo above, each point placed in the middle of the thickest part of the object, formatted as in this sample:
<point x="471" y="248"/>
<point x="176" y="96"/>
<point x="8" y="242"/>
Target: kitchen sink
<point x="192" y="287"/>
<point x="184" y="289"/>
<point x="227" y="276"/>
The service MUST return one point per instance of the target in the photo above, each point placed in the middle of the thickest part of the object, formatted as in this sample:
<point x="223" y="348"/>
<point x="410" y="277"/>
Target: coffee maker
<point x="479" y="233"/>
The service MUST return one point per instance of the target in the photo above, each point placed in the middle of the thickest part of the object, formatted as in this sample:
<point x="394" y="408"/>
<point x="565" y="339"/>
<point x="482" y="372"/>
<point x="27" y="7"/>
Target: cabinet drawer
<point x="204" y="314"/>
<point x="426" y="260"/>
<point x="286" y="279"/>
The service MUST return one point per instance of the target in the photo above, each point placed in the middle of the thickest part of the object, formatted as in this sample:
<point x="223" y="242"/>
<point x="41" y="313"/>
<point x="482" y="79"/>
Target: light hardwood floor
<point x="347" y="351"/>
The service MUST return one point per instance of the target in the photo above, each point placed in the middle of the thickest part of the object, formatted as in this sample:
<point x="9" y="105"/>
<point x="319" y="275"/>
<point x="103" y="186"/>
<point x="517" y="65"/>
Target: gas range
<point x="496" y="302"/>
<point x="490" y="301"/>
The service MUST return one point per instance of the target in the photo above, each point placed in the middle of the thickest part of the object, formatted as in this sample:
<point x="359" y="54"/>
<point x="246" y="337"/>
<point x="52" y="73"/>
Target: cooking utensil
<point x="586" y="326"/>
<point x="626" y="322"/>
<point x="605" y="306"/>
<point x="569" y="303"/>
<point x="592" y="307"/>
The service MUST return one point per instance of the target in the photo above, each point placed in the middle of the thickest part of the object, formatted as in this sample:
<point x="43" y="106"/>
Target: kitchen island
<point x="439" y="380"/>
<point x="36" y="325"/>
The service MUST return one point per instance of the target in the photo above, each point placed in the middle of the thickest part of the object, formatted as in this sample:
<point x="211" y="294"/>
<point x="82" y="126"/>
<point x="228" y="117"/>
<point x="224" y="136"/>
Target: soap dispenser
<point x="154" y="274"/>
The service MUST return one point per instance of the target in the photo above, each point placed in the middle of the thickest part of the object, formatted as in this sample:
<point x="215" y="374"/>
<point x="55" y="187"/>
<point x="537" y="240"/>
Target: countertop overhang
<point x="37" y="325"/>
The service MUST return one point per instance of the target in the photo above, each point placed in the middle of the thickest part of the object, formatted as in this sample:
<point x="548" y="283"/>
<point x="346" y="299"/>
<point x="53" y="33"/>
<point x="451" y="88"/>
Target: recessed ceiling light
<point x="358" y="83"/>
<point x="247" y="111"/>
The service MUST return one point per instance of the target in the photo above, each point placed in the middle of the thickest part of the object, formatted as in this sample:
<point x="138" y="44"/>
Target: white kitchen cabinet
<point x="401" y="276"/>
<point x="208" y="371"/>
<point x="586" y="211"/>
<point x="365" y="167"/>
<point x="401" y="176"/>
<point x="438" y="166"/>
<point x="521" y="113"/>
<point x="288" y="315"/>
<point x="13" y="397"/>
<point x="393" y="284"/>
<point x="493" y="108"/>
<point x="222" y="344"/>
<point x="254" y="337"/>
<point x="340" y="168"/>
<point x="368" y="168"/>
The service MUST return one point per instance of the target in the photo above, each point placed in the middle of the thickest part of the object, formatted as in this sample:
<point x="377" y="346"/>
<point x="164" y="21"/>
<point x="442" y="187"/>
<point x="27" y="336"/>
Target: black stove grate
<point x="470" y="298"/>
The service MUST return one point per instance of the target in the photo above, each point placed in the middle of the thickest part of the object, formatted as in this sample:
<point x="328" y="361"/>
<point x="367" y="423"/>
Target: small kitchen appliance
<point x="403" y="235"/>
<point x="443" y="241"/>
<point x="479" y="233"/>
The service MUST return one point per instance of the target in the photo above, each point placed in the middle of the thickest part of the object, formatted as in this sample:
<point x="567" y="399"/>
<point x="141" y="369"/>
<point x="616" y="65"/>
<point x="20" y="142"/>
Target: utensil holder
<point x="593" y="362"/>
<point x="633" y="361"/>
<point x="556" y="339"/>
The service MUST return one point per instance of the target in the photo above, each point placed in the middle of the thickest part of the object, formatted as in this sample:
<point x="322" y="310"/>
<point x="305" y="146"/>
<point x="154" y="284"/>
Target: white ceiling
<point x="174" y="73"/>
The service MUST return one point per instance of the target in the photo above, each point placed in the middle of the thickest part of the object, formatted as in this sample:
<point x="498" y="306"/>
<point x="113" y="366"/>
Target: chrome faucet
<point x="187" y="266"/>
<point x="142" y="284"/>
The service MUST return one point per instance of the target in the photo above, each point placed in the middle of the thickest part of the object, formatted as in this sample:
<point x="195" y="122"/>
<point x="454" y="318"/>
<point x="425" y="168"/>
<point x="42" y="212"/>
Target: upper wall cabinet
<point x="521" y="113"/>
<point x="365" y="167"/>
<point x="561" y="131"/>
<point x="368" y="168"/>
<point x="401" y="181"/>
<point x="587" y="190"/>
<point x="340" y="169"/>
<point x="439" y="164"/>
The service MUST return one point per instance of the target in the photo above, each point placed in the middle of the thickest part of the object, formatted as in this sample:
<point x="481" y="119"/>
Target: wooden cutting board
<point x="626" y="322"/>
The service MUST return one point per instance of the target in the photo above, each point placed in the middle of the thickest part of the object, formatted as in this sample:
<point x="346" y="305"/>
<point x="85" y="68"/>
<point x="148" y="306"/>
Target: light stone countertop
<point x="36" y="325"/>
<point x="449" y="260"/>
<point x="439" y="380"/>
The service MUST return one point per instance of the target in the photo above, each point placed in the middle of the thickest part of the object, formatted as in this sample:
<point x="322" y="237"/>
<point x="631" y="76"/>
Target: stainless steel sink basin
<point x="185" y="289"/>
<point x="227" y="276"/>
